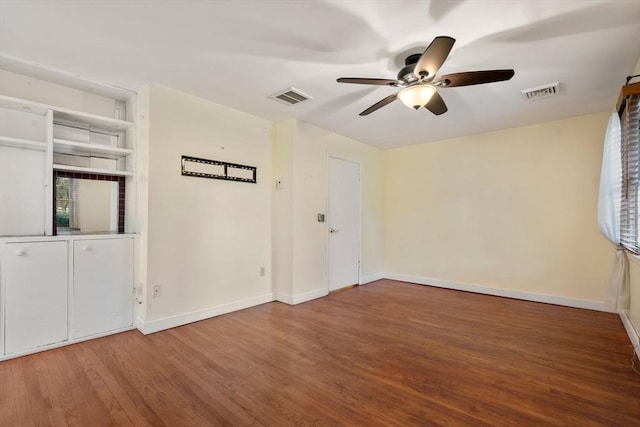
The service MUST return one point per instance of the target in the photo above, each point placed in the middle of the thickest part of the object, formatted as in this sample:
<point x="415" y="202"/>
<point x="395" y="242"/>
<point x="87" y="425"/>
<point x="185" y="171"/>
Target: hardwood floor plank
<point x="92" y="377"/>
<point x="384" y="354"/>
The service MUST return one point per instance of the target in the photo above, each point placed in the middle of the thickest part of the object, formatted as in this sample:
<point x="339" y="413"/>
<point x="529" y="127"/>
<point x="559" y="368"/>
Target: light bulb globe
<point x="416" y="96"/>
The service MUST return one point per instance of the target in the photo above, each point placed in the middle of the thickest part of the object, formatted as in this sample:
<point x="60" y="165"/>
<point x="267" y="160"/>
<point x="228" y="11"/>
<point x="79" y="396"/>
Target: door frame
<point x="326" y="226"/>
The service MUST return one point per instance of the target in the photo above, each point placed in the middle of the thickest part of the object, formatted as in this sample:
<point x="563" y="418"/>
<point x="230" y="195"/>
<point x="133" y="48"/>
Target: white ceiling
<point x="236" y="53"/>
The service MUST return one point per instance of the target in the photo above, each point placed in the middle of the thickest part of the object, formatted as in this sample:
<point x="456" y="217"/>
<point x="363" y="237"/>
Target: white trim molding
<point x="300" y="298"/>
<point x="151" y="326"/>
<point x="66" y="343"/>
<point x="371" y="278"/>
<point x="633" y="335"/>
<point x="509" y="293"/>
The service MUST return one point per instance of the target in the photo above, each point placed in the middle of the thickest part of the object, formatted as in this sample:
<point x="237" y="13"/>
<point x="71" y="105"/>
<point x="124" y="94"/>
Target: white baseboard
<point x="633" y="335"/>
<point x="300" y="298"/>
<point x="285" y="298"/>
<point x="65" y="343"/>
<point x="371" y="278"/>
<point x="509" y="293"/>
<point x="151" y="326"/>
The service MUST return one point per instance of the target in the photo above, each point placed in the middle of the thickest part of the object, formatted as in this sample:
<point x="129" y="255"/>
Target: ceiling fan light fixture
<point x="416" y="96"/>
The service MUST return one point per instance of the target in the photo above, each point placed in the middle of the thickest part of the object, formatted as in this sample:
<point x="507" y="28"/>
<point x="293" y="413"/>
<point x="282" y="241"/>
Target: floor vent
<point x="541" y="91"/>
<point x="290" y="96"/>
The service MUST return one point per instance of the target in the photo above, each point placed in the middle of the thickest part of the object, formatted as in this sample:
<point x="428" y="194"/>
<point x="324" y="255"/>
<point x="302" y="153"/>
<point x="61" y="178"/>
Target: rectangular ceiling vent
<point x="540" y="92"/>
<point x="290" y="96"/>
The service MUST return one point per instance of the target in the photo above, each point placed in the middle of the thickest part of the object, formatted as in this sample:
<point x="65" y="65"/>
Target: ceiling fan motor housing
<point x="407" y="74"/>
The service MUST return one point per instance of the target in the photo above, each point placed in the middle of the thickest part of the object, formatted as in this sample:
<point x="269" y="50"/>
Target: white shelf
<point x="92" y="170"/>
<point x="65" y="113"/>
<point x="28" y="144"/>
<point x="23" y="105"/>
<point x="91" y="119"/>
<point x="64" y="146"/>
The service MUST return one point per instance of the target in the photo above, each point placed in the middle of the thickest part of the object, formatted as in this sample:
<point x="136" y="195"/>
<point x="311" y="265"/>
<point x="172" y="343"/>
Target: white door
<point x="36" y="295"/>
<point x="344" y="223"/>
<point x="102" y="286"/>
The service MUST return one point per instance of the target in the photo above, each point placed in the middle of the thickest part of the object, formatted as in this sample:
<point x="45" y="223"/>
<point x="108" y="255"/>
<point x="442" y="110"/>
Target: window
<point x="88" y="203"/>
<point x="630" y="150"/>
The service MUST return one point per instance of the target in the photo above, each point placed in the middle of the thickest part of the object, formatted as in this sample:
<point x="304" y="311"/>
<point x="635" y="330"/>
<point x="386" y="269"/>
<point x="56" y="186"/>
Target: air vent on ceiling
<point x="541" y="91"/>
<point x="290" y="96"/>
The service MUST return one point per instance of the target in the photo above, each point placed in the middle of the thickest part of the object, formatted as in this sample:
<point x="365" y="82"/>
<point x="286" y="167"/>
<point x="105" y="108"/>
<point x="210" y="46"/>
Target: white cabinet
<point x="61" y="290"/>
<point x="22" y="192"/>
<point x="23" y="136"/>
<point x="35" y="295"/>
<point x="102" y="286"/>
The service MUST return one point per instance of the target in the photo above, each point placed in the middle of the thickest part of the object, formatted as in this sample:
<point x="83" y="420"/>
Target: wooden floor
<point x="387" y="353"/>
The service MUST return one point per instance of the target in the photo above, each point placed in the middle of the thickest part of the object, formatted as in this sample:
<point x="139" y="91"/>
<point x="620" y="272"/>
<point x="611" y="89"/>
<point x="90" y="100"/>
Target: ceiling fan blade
<point x="434" y="56"/>
<point x="436" y="105"/>
<point x="389" y="99"/>
<point x="475" y="78"/>
<point x="363" y="81"/>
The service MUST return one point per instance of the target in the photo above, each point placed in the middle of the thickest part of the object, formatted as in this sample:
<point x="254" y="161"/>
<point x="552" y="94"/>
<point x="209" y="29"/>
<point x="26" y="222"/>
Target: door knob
<point x="332" y="230"/>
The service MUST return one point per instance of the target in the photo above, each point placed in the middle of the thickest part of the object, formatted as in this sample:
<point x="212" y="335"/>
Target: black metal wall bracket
<point x="214" y="169"/>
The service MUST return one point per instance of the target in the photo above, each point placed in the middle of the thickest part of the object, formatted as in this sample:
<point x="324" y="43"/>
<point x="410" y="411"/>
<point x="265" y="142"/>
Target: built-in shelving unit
<point x="45" y="138"/>
<point x="67" y="184"/>
<point x="64" y="115"/>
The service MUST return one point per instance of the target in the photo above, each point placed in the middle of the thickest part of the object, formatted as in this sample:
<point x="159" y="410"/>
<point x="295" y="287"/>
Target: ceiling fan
<point x="419" y="82"/>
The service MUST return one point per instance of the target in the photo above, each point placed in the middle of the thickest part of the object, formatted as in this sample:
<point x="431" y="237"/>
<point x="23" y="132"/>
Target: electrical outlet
<point x="263" y="271"/>
<point x="157" y="291"/>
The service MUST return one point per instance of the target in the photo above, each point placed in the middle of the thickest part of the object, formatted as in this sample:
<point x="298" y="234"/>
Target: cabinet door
<point x="35" y="295"/>
<point x="102" y="286"/>
<point x="22" y="192"/>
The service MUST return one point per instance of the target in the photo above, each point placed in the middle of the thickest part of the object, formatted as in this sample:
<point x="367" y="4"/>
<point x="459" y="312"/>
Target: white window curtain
<point x="609" y="209"/>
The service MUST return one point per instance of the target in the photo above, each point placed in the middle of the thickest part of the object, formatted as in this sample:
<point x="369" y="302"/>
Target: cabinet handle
<point x="86" y="249"/>
<point x="21" y="252"/>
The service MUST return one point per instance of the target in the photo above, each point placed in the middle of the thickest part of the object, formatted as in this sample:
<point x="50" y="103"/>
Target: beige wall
<point x="513" y="209"/>
<point x="300" y="241"/>
<point x="206" y="238"/>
